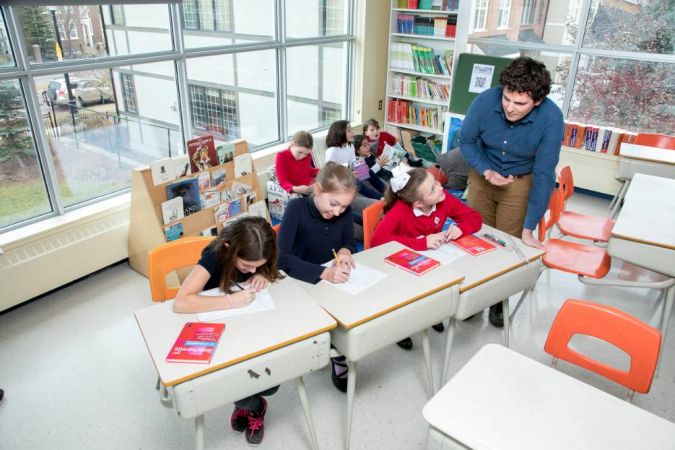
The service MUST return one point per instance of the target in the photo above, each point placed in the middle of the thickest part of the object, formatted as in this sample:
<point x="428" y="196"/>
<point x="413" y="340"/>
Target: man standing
<point x="511" y="139"/>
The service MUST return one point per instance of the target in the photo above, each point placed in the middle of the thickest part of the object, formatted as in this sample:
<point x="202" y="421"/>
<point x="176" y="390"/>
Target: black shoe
<point x="255" y="430"/>
<point x="339" y="381"/>
<point x="496" y="315"/>
<point x="438" y="327"/>
<point x="239" y="419"/>
<point x="415" y="163"/>
<point x="405" y="344"/>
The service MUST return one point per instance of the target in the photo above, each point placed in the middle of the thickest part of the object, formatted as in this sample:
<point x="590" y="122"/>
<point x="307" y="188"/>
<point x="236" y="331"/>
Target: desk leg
<point x="431" y="389"/>
<point x="448" y="346"/>
<point x="302" y="393"/>
<point x="507" y="321"/>
<point x="351" y="389"/>
<point x="199" y="432"/>
<point x="665" y="319"/>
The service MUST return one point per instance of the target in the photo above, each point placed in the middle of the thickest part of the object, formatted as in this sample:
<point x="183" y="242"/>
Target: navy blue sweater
<point x="306" y="239"/>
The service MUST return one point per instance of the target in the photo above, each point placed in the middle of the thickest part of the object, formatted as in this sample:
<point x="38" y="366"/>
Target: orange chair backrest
<point x="276" y="229"/>
<point x="168" y="257"/>
<point x="566" y="182"/>
<point x="371" y="217"/>
<point x="550" y="218"/>
<point x="639" y="340"/>
<point x="656" y="140"/>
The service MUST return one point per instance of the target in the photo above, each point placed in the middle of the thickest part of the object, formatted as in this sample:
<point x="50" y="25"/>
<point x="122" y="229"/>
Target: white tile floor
<point x="77" y="375"/>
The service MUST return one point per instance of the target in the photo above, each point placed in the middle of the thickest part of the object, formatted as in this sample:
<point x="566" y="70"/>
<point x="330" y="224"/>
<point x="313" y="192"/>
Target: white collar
<point x="418" y="212"/>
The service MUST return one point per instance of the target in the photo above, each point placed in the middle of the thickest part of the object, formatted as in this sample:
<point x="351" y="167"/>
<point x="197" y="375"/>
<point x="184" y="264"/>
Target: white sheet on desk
<point x="445" y="254"/>
<point x="263" y="302"/>
<point x="360" y="278"/>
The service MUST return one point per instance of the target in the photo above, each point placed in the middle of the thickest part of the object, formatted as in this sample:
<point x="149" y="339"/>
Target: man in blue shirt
<point x="511" y="139"/>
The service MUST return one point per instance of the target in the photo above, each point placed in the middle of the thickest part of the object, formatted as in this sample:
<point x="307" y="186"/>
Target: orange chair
<point x="168" y="257"/>
<point x="639" y="340"/>
<point x="276" y="229"/>
<point x="582" y="226"/>
<point x="371" y="217"/>
<point x="656" y="140"/>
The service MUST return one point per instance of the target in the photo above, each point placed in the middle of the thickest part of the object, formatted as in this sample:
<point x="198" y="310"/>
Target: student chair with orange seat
<point x="371" y="217"/>
<point x="582" y="226"/>
<point x="639" y="340"/>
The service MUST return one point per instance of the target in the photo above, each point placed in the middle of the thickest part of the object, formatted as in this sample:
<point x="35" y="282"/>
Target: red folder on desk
<point x="196" y="343"/>
<point x="473" y="245"/>
<point x="412" y="261"/>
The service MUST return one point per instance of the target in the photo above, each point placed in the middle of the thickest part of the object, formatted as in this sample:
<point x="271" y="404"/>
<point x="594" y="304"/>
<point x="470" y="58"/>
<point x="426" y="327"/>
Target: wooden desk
<point x="398" y="306"/>
<point x="503" y="400"/>
<point x="256" y="352"/>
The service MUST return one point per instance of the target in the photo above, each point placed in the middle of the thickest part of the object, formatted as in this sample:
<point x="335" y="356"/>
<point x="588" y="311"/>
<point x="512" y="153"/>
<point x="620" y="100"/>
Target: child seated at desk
<point x="317" y="229"/>
<point x="415" y="210"/>
<point x="245" y="252"/>
<point x="294" y="169"/>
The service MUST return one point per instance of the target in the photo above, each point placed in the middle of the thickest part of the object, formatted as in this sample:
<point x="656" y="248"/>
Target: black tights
<point x="254" y="403"/>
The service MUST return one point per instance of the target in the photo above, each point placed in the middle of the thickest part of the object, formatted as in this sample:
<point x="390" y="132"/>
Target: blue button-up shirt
<point x="531" y="145"/>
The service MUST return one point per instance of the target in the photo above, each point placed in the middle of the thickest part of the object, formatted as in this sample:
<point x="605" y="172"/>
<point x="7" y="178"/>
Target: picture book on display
<point x="189" y="190"/>
<point x="168" y="169"/>
<point x="473" y="245"/>
<point x="225" y="152"/>
<point x="173" y="232"/>
<point x="172" y="210"/>
<point x="412" y="261"/>
<point x="202" y="153"/>
<point x="196" y="343"/>
<point x="243" y="165"/>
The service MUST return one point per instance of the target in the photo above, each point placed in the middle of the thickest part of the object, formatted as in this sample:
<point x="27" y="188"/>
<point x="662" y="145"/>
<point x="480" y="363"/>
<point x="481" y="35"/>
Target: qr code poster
<point x="481" y="78"/>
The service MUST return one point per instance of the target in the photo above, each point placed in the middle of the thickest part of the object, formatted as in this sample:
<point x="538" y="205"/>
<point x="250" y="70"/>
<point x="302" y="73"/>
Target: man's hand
<point x="530" y="240"/>
<point x="496" y="179"/>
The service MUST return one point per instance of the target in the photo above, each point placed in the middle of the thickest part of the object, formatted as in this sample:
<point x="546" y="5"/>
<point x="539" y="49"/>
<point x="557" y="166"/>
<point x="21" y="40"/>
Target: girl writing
<point x="244" y="254"/>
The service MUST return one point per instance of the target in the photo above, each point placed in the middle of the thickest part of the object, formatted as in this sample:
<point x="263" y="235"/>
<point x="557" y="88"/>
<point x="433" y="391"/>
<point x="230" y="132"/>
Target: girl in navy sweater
<point x="315" y="226"/>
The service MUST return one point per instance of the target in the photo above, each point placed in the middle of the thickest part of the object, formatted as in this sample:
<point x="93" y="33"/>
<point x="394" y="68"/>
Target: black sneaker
<point x="255" y="430"/>
<point x="415" y="163"/>
<point x="405" y="344"/>
<point x="339" y="381"/>
<point x="239" y="419"/>
<point x="439" y="327"/>
<point x="496" y="315"/>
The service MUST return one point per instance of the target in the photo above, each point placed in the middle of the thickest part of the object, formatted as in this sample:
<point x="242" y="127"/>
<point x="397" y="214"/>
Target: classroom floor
<point x="77" y="375"/>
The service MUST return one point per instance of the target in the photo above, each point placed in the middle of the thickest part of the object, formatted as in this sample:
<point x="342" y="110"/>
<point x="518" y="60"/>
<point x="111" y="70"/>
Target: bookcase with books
<point x="423" y="37"/>
<point x="191" y="195"/>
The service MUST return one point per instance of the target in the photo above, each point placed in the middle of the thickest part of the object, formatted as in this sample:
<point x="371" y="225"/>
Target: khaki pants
<point x="502" y="207"/>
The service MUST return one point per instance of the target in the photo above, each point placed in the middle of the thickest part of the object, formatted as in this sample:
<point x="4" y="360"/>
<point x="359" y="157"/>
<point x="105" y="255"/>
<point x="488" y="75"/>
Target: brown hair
<point x="409" y="193"/>
<point x="303" y="139"/>
<point x="525" y="75"/>
<point x="334" y="177"/>
<point x="251" y="239"/>
<point x="370" y="123"/>
<point x="337" y="133"/>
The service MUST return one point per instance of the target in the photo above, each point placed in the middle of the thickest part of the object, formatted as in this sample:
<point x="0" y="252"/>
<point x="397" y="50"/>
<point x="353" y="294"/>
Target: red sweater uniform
<point x="400" y="223"/>
<point x="385" y="138"/>
<point x="291" y="172"/>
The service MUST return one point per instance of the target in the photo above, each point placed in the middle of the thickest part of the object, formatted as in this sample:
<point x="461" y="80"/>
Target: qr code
<point x="480" y="82"/>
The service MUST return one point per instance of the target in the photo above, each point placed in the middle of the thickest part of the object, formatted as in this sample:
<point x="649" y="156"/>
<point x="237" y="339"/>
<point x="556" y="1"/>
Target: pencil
<point x="337" y="260"/>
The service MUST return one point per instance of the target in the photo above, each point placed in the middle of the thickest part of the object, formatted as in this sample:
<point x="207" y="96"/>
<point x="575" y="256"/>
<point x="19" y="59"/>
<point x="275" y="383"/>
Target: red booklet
<point x="473" y="245"/>
<point x="196" y="343"/>
<point x="202" y="153"/>
<point x="412" y="261"/>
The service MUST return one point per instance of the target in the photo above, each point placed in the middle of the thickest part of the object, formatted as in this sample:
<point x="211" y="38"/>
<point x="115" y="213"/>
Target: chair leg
<point x="670" y="295"/>
<point x="431" y="389"/>
<point x="199" y="432"/>
<point x="351" y="388"/>
<point x="302" y="393"/>
<point x="505" y="311"/>
<point x="448" y="347"/>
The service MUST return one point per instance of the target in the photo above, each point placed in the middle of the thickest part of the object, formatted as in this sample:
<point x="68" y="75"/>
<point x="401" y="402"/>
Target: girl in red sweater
<point x="295" y="172"/>
<point x="415" y="210"/>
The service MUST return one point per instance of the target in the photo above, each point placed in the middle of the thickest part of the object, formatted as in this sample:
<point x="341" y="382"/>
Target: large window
<point x="96" y="89"/>
<point x="629" y="84"/>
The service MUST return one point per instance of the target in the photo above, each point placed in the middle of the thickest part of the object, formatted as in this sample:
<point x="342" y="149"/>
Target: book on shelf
<point x="406" y="112"/>
<point x="210" y="198"/>
<point x="414" y="58"/>
<point x="243" y="165"/>
<point x="187" y="189"/>
<point x="172" y="210"/>
<point x="168" y="169"/>
<point x="196" y="343"/>
<point x="595" y="138"/>
<point x="203" y="181"/>
<point x="440" y="24"/>
<point x="412" y="86"/>
<point x="202" y="153"/>
<point x="173" y="232"/>
<point x="412" y="262"/>
<point x="225" y="152"/>
<point x="473" y="245"/>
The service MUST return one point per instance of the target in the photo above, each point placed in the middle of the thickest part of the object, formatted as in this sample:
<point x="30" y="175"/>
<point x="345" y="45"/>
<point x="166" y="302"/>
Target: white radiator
<point x="33" y="265"/>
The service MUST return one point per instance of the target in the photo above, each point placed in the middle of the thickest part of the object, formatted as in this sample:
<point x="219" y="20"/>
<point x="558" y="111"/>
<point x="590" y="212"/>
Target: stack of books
<point x="596" y="138"/>
<point x="417" y="58"/>
<point x="419" y="87"/>
<point x="405" y="112"/>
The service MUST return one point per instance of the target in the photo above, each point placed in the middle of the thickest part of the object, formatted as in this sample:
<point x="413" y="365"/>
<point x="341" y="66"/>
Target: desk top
<point x="645" y="153"/>
<point x="648" y="212"/>
<point x="480" y="269"/>
<point x="295" y="317"/>
<point x="395" y="291"/>
<point x="502" y="399"/>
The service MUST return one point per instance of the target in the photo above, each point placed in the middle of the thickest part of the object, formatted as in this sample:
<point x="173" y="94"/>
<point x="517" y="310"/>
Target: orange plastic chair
<point x="168" y="257"/>
<point x="582" y="226"/>
<point x="276" y="229"/>
<point x="639" y="340"/>
<point x="568" y="256"/>
<point x="656" y="140"/>
<point x="371" y="217"/>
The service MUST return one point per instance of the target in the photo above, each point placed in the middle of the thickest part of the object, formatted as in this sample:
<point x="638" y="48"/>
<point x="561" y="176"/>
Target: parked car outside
<point x="86" y="91"/>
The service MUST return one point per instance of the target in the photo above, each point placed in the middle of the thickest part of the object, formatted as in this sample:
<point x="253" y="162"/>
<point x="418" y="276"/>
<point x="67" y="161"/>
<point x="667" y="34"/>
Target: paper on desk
<point x="263" y="302"/>
<point x="445" y="254"/>
<point x="360" y="278"/>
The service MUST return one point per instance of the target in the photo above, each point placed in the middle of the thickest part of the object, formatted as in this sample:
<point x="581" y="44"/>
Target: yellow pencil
<point x="337" y="260"/>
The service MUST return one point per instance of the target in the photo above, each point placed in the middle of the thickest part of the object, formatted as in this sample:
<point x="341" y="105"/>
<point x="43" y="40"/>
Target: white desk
<point x="256" y="352"/>
<point x="398" y="306"/>
<point x="503" y="400"/>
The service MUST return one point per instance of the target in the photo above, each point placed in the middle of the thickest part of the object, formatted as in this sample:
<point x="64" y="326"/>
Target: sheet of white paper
<point x="263" y="302"/>
<point x="481" y="78"/>
<point x="360" y="279"/>
<point x="445" y="254"/>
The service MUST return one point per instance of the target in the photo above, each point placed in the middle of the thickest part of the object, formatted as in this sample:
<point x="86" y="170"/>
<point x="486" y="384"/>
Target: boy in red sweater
<point x="295" y="172"/>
